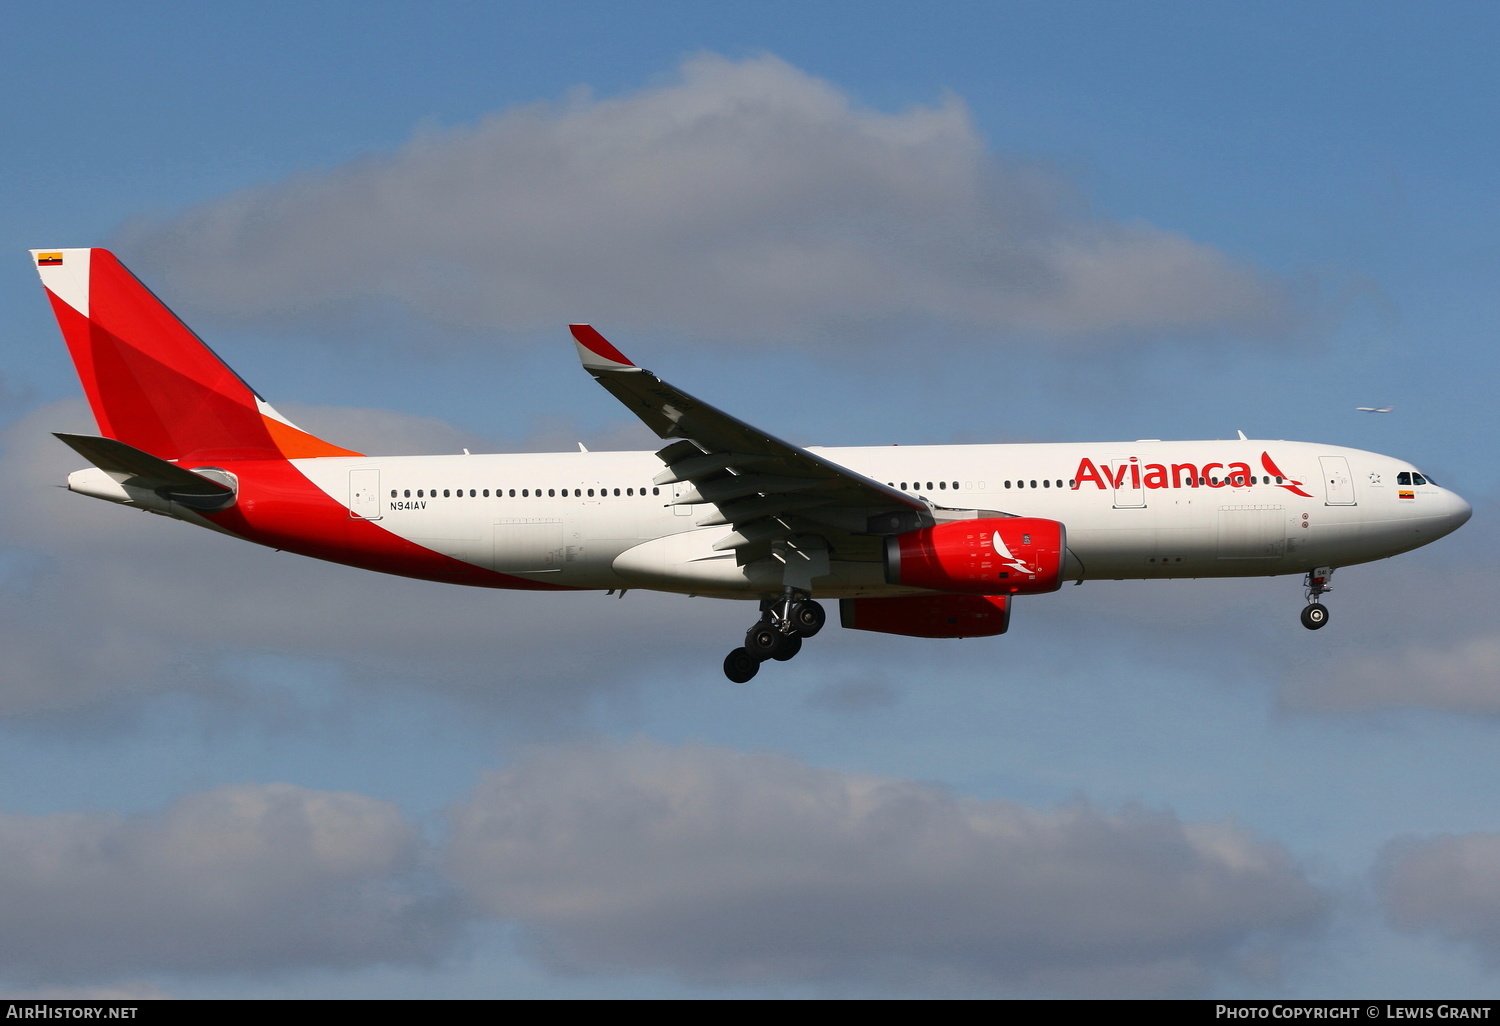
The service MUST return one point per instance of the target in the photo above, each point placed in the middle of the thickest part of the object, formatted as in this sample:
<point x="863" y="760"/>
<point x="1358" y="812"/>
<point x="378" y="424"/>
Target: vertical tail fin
<point x="151" y="382"/>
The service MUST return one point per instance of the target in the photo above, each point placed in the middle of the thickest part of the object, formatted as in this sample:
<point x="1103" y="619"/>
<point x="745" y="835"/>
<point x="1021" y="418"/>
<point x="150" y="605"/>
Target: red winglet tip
<point x="597" y="344"/>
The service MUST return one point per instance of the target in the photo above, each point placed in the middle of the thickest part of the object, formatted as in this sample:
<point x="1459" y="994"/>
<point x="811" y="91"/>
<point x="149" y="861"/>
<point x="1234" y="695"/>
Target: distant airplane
<point x="1374" y="409"/>
<point x="926" y="541"/>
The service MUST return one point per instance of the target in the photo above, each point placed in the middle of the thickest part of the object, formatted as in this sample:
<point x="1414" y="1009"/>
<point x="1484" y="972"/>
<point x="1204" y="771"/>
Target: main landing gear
<point x="1315" y="614"/>
<point x="778" y="635"/>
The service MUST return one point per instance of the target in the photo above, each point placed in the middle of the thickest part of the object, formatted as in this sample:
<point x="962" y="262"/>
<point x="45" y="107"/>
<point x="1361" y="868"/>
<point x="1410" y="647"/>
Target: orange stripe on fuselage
<point x="296" y="444"/>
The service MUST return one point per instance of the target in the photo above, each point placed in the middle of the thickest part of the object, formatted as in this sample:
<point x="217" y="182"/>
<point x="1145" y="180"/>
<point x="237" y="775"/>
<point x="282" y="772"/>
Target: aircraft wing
<point x="765" y="489"/>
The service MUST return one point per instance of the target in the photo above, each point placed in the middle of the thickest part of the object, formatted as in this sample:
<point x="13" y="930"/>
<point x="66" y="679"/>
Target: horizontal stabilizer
<point x="129" y="465"/>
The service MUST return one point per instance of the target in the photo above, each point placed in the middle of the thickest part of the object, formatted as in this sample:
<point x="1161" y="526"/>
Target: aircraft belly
<point x="686" y="562"/>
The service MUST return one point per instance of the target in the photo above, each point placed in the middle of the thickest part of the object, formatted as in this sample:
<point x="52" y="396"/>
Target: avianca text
<point x="1134" y="474"/>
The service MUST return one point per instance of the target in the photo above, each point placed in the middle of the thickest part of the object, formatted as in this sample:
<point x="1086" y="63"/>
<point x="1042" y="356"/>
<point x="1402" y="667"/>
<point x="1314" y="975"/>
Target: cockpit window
<point x="1420" y="479"/>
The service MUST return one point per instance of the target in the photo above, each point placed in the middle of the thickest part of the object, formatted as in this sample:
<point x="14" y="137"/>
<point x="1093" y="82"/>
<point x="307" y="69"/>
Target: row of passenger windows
<point x="940" y="486"/>
<point x="945" y="485"/>
<point x="525" y="493"/>
<point x="578" y="493"/>
<point x="1236" y="480"/>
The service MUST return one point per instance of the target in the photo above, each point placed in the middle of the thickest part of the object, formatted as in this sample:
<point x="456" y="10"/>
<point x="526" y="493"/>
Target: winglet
<point x="596" y="352"/>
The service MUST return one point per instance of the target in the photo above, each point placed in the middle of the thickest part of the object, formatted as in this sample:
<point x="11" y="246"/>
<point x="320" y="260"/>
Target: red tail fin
<point x="151" y="382"/>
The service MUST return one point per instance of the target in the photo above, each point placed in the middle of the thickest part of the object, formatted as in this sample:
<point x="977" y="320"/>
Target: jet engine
<point x="984" y="556"/>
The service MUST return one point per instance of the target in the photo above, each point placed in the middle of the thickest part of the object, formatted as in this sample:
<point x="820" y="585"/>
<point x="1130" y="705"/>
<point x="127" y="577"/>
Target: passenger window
<point x="406" y="494"/>
<point x="419" y="493"/>
<point x="1046" y="484"/>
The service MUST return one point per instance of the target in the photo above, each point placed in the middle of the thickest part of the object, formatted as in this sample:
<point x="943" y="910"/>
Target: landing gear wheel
<point x="764" y="641"/>
<point x="740" y="666"/>
<point x="791" y="644"/>
<point x="1314" y="615"/>
<point x="808" y="618"/>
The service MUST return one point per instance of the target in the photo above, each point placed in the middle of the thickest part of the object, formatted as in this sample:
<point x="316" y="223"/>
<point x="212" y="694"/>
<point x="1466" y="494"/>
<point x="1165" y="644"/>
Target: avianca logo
<point x="1134" y="474"/>
<point x="1003" y="551"/>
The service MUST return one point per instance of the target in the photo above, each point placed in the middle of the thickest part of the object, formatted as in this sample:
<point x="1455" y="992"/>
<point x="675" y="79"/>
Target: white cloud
<point x="747" y="201"/>
<point x="728" y="867"/>
<point x="247" y="877"/>
<point x="1461" y="677"/>
<point x="1449" y="886"/>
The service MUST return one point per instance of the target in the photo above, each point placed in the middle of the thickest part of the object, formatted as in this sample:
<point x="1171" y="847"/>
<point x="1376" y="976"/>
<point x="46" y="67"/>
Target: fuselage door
<point x="1125" y="476"/>
<point x="1337" y="481"/>
<point x="364" y="494"/>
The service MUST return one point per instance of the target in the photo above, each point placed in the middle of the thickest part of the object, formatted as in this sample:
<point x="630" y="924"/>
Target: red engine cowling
<point x="989" y="556"/>
<point x="929" y="616"/>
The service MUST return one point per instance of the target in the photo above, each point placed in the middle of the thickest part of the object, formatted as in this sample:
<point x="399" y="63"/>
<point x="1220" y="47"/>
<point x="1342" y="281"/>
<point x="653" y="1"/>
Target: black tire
<point x="1314" y="616"/>
<point x="808" y="618"/>
<point x="763" y="641"/>
<point x="740" y="666"/>
<point x="791" y="644"/>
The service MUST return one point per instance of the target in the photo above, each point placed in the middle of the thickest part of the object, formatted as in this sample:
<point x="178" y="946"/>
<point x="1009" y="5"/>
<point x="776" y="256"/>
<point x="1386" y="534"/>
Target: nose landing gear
<point x="778" y="635"/>
<point x="1315" y="614"/>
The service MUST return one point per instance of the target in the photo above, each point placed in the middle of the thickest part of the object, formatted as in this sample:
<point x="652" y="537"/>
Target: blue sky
<point x="230" y="772"/>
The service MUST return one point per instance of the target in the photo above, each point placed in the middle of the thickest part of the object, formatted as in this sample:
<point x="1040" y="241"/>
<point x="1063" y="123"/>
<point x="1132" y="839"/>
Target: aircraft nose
<point x="1459" y="511"/>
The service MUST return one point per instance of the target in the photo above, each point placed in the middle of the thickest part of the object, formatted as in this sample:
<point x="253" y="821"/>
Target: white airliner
<point x="927" y="541"/>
